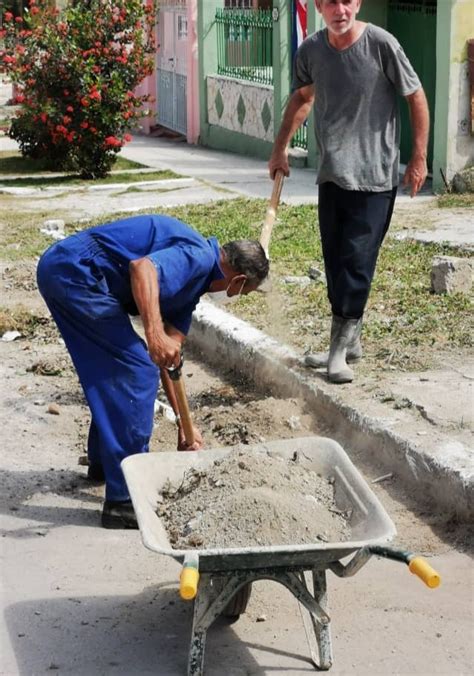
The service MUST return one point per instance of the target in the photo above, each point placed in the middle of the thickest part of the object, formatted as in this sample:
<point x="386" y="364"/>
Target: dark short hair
<point x="247" y="257"/>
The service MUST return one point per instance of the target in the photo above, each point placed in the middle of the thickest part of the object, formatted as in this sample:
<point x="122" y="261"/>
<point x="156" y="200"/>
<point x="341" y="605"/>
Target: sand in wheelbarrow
<point x="251" y="499"/>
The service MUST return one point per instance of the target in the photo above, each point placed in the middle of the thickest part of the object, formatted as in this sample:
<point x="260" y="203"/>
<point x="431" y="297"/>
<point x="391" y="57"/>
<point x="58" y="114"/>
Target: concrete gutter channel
<point x="446" y="481"/>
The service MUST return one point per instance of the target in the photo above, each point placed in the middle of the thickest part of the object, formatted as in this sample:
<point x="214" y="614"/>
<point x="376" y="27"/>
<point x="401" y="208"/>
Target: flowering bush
<point x="75" y="71"/>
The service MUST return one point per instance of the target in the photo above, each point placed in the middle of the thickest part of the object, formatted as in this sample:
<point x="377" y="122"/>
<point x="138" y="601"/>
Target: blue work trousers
<point x="353" y="225"/>
<point x="116" y="373"/>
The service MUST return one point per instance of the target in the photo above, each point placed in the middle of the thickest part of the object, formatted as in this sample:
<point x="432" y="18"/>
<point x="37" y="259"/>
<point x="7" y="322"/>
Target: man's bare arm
<point x="417" y="169"/>
<point x="296" y="112"/>
<point x="164" y="349"/>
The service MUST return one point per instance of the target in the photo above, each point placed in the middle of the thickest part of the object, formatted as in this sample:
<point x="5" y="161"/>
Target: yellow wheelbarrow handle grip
<point x="188" y="583"/>
<point x="189" y="578"/>
<point x="418" y="566"/>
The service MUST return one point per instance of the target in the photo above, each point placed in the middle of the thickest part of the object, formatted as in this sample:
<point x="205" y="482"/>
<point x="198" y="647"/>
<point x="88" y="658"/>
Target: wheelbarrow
<point x="219" y="580"/>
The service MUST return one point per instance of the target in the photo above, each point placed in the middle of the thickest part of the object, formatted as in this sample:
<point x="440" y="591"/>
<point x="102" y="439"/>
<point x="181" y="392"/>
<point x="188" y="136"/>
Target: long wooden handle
<point x="184" y="412"/>
<point x="271" y="211"/>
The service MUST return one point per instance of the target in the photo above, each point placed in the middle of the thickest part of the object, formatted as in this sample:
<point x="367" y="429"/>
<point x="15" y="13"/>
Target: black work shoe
<point x="119" y="515"/>
<point x="96" y="473"/>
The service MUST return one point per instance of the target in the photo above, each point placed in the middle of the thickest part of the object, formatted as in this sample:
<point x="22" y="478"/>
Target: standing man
<point x="159" y="268"/>
<point x="353" y="72"/>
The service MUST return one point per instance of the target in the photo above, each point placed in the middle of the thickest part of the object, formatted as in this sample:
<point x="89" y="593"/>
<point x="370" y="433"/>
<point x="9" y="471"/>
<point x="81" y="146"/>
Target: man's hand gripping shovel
<point x="270" y="215"/>
<point x="175" y="375"/>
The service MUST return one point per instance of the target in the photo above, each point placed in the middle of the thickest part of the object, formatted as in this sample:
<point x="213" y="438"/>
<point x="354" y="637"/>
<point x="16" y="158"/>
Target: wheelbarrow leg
<point x="215" y="592"/>
<point x="198" y="633"/>
<point x="318" y="634"/>
<point x="196" y="654"/>
<point x="208" y="590"/>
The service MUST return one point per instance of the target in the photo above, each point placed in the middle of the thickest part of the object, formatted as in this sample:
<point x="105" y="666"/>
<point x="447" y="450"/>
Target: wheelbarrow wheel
<point x="238" y="603"/>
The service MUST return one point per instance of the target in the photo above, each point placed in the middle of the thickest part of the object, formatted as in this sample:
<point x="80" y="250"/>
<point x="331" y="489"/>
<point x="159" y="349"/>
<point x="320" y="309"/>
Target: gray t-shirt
<point x="356" y="116"/>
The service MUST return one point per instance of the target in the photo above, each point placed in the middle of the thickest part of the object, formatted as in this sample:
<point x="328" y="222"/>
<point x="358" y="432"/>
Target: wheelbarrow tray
<point x="146" y="474"/>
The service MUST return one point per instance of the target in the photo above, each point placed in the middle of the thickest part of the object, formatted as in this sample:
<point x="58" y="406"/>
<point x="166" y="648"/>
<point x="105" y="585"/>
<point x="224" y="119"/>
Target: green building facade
<point x="242" y="111"/>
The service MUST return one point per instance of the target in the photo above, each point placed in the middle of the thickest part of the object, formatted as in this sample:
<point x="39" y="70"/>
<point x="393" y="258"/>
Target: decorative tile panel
<point x="247" y="107"/>
<point x="241" y="110"/>
<point x="219" y="103"/>
<point x="266" y="115"/>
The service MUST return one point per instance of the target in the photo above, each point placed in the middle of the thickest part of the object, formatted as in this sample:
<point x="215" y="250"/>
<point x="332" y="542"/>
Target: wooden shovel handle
<point x="271" y="211"/>
<point x="184" y="412"/>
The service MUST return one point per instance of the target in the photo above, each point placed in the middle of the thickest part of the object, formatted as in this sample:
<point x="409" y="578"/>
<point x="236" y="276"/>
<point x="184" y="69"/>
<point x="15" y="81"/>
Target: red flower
<point x="34" y="10"/>
<point x="43" y="117"/>
<point x="67" y="119"/>
<point x="18" y="19"/>
<point x="20" y="98"/>
<point x="9" y="59"/>
<point x="127" y="138"/>
<point x="112" y="141"/>
<point x="70" y="109"/>
<point x="84" y="125"/>
<point x="95" y="95"/>
<point x="85" y="102"/>
<point x="8" y="16"/>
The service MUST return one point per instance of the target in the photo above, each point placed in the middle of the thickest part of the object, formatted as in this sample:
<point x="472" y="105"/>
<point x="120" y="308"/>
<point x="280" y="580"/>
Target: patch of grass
<point x="453" y="200"/>
<point x="405" y="325"/>
<point x="12" y="162"/>
<point x="405" y="322"/>
<point x="19" y="318"/>
<point x="20" y="236"/>
<point x="71" y="179"/>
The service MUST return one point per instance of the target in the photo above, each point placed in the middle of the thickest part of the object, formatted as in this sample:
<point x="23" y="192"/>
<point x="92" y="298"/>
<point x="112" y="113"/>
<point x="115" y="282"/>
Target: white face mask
<point x="221" y="297"/>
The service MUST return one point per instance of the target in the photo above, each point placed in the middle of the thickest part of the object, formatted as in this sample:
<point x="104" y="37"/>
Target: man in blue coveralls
<point x="159" y="268"/>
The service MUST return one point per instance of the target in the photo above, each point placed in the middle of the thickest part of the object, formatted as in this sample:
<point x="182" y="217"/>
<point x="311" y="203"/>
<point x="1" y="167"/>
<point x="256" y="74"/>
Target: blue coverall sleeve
<point x="181" y="270"/>
<point x="181" y="267"/>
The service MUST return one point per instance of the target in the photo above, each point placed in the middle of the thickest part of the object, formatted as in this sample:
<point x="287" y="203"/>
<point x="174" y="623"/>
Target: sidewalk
<point x="212" y="175"/>
<point x="427" y="444"/>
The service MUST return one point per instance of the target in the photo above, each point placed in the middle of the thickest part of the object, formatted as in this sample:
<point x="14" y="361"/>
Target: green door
<point x="413" y="23"/>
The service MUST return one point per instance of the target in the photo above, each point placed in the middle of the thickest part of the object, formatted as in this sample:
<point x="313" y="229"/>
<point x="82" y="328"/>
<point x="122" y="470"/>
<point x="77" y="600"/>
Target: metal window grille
<point x="414" y="6"/>
<point x="238" y="4"/>
<point x="245" y="44"/>
<point x="300" y="139"/>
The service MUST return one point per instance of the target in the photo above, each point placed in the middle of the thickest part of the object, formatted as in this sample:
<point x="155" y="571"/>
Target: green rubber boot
<point x="354" y="351"/>
<point x="343" y="333"/>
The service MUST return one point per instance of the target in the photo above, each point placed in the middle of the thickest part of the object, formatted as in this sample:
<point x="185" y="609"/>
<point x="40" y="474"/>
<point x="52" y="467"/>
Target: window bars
<point x="245" y="44"/>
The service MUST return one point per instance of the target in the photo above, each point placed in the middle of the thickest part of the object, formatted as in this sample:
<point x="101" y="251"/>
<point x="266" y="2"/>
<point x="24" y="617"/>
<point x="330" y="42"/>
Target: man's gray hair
<point x="247" y="257"/>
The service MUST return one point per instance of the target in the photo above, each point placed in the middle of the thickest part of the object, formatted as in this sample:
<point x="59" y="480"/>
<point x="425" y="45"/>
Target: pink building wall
<point x="192" y="99"/>
<point x="149" y="85"/>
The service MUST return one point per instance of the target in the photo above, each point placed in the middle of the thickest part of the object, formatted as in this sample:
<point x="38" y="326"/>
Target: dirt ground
<point x="43" y="406"/>
<point x="82" y="601"/>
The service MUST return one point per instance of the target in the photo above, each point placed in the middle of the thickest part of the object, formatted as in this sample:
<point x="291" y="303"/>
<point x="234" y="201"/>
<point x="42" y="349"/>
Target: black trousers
<point x="352" y="224"/>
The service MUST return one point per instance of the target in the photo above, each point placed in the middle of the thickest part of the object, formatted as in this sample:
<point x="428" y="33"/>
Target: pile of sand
<point x="252" y="499"/>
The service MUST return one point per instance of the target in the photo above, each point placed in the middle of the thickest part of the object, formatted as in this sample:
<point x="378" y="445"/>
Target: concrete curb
<point x="165" y="184"/>
<point x="447" y="479"/>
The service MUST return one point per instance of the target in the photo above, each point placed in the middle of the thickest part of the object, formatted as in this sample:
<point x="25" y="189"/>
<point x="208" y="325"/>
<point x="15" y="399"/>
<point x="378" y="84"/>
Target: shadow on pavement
<point x="128" y="635"/>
